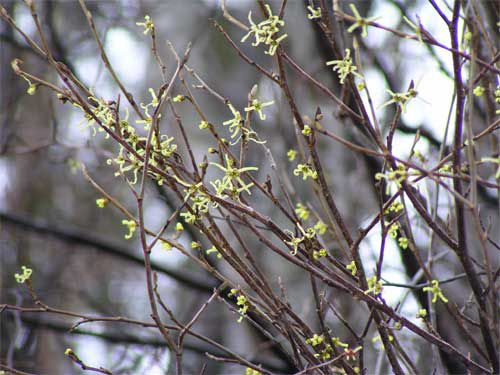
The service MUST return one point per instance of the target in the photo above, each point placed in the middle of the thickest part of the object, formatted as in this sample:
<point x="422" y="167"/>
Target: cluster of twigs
<point x="224" y="212"/>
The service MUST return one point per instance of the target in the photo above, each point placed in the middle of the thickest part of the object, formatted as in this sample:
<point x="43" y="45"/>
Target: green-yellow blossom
<point x="212" y="250"/>
<point x="478" y="91"/>
<point x="189" y="217"/>
<point x="314" y="13"/>
<point x="360" y="22"/>
<point x="352" y="267"/>
<point x="302" y="211"/>
<point x="232" y="181"/>
<point x="101" y="202"/>
<point x="306" y="171"/>
<point x="294" y="243"/>
<point x="394" y="207"/>
<point x="393" y="230"/>
<point x="436" y="291"/>
<point x="32" y="87"/>
<point x="400" y="98"/>
<point x="257" y="106"/>
<point x="241" y="302"/>
<point x="266" y="31"/>
<point x="338" y="343"/>
<point x="315" y="340"/>
<point x="320" y="227"/>
<point x="446" y="168"/>
<point x="393" y="176"/>
<point x="422" y="313"/>
<point x="319" y="254"/>
<point x="166" y="245"/>
<point x="251" y="371"/>
<point x="131" y="225"/>
<point x="403" y="242"/>
<point x="237" y="128"/>
<point x="25" y="275"/>
<point x="374" y="285"/>
<point x="147" y="24"/>
<point x="307" y="130"/>
<point x="417" y="29"/>
<point x="344" y="67"/>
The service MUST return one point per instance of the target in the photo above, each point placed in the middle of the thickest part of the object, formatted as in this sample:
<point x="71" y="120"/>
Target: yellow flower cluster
<point x="266" y="31"/>
<point x="436" y="292"/>
<point x="306" y="171"/>
<point x="241" y="301"/>
<point x="25" y="275"/>
<point x="344" y="67"/>
<point x="374" y="286"/>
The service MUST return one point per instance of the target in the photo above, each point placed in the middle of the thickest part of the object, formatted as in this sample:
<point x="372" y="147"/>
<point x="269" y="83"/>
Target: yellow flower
<point x="320" y="227"/>
<point x="166" y="246"/>
<point x="336" y="341"/>
<point x="294" y="243"/>
<point x="344" y="67"/>
<point x="189" y="217"/>
<point x="360" y="22"/>
<point x="436" y="292"/>
<point x="314" y="13"/>
<point x="403" y="242"/>
<point x="251" y="371"/>
<point x="478" y="91"/>
<point x="302" y="211"/>
<point x="374" y="285"/>
<point x="232" y="177"/>
<point x="422" y="313"/>
<point x="319" y="254"/>
<point x="25" y="275"/>
<point x="400" y="98"/>
<point x="179" y="99"/>
<point x="257" y="106"/>
<point x="352" y="267"/>
<point x="147" y="24"/>
<point x="131" y="225"/>
<point x="315" y="340"/>
<point x="306" y="171"/>
<point x="393" y="230"/>
<point x="102" y="202"/>
<point x="307" y="130"/>
<point x="418" y="29"/>
<point x="266" y="31"/>
<point x="213" y="249"/>
<point x="31" y="89"/>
